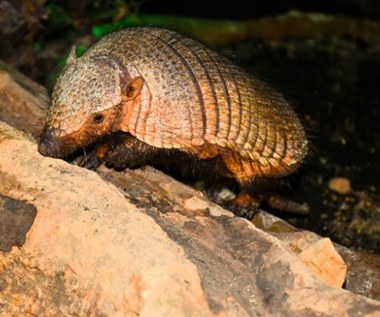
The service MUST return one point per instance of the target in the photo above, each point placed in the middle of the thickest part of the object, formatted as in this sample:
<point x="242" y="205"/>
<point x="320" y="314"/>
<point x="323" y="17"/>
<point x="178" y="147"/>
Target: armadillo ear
<point x="72" y="55"/>
<point x="133" y="88"/>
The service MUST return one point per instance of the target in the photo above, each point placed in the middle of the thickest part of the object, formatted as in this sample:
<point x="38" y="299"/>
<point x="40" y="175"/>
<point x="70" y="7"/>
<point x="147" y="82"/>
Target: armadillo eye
<point x="98" y="118"/>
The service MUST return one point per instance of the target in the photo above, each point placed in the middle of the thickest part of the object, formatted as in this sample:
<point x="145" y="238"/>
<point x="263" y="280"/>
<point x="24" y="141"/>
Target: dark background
<point x="246" y="9"/>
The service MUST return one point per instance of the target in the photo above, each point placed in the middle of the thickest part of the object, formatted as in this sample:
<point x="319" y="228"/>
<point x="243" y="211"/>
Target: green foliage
<point x="80" y="49"/>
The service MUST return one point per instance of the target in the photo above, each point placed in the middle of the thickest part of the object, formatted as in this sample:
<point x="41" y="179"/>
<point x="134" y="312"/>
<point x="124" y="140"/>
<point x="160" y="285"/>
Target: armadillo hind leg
<point x="253" y="197"/>
<point x="257" y="188"/>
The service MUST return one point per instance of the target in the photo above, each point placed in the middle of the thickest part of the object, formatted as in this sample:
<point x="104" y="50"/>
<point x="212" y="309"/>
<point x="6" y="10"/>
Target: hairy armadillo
<point x="167" y="91"/>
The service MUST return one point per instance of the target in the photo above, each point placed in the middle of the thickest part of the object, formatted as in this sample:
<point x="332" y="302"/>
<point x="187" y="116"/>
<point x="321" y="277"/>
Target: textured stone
<point x="140" y="243"/>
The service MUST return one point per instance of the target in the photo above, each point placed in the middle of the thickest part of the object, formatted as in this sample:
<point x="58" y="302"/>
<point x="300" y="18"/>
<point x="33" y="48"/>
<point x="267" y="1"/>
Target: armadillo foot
<point x="90" y="161"/>
<point x="243" y="205"/>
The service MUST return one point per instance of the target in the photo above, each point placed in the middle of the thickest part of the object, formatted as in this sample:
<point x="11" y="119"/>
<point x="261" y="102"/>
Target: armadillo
<point x="167" y="91"/>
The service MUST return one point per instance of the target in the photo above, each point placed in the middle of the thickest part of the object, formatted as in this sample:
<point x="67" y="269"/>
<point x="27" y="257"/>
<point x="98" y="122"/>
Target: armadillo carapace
<point x="169" y="92"/>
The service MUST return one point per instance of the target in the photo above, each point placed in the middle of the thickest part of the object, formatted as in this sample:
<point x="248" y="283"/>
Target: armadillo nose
<point x="48" y="145"/>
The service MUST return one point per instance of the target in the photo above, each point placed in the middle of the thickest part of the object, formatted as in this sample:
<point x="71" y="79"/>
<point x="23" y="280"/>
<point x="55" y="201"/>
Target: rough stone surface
<point x="363" y="274"/>
<point x="322" y="258"/>
<point x="363" y="267"/>
<point x="100" y="252"/>
<point x="164" y="251"/>
<point x="19" y="107"/>
<point x="318" y="254"/>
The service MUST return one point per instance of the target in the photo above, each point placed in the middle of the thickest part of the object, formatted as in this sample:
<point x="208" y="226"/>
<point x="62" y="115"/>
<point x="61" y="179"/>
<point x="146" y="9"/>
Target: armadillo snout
<point x="48" y="145"/>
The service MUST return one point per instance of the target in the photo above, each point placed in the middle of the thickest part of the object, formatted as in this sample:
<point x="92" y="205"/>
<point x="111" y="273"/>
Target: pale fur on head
<point x="87" y="85"/>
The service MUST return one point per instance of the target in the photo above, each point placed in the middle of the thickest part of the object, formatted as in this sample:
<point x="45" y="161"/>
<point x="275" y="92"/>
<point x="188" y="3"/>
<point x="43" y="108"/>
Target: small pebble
<point x="340" y="185"/>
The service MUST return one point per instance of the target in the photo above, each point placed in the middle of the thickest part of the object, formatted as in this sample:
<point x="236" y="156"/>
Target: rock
<point x="322" y="258"/>
<point x="363" y="273"/>
<point x="19" y="107"/>
<point x="340" y="185"/>
<point x="317" y="253"/>
<point x="363" y="267"/>
<point x="147" y="254"/>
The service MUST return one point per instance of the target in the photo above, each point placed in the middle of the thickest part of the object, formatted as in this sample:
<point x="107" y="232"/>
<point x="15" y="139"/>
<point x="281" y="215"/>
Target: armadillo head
<point x="85" y="105"/>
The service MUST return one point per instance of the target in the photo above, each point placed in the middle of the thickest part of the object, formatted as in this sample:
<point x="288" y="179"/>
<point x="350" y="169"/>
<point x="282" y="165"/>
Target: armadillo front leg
<point x="93" y="159"/>
<point x="96" y="155"/>
<point x="129" y="152"/>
